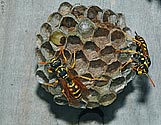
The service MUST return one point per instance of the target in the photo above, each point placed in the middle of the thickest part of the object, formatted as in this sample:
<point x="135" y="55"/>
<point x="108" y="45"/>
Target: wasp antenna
<point x="152" y="82"/>
<point x="128" y="36"/>
<point x="43" y="63"/>
<point x="136" y="33"/>
<point x="132" y="38"/>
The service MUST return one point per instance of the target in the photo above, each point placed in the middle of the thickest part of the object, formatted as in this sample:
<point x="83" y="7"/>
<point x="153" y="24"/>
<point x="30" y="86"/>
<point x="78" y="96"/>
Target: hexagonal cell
<point x="117" y="35"/>
<point x="106" y="15"/>
<point x="54" y="20"/>
<point x="92" y="105"/>
<point x="101" y="32"/>
<point x="126" y="29"/>
<point x="130" y="76"/>
<point x="65" y="8"/>
<point x="78" y="11"/>
<point x="101" y="42"/>
<point x="109" y="58"/>
<point x="121" y="20"/>
<point x="85" y="28"/>
<point x="58" y="38"/>
<point x="93" y="12"/>
<point x="39" y="40"/>
<point x="101" y="37"/>
<point x="60" y="100"/>
<point x="102" y="83"/>
<point x="39" y="55"/>
<point x="74" y="43"/>
<point x="91" y="45"/>
<point x="97" y="67"/>
<point x="68" y="23"/>
<point x="107" y="50"/>
<point x="55" y="90"/>
<point x="107" y="99"/>
<point x="47" y="50"/>
<point x="81" y="63"/>
<point x="45" y="31"/>
<point x="117" y="82"/>
<point x="113" y="19"/>
<point x="47" y="46"/>
<point x="110" y="17"/>
<point x="80" y="54"/>
<point x="74" y="40"/>
<point x="117" y="38"/>
<point x="93" y="92"/>
<point x="97" y="63"/>
<point x="113" y="67"/>
<point x="41" y="77"/>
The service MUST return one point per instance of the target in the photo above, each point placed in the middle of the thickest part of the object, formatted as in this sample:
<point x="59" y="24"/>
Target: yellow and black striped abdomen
<point x="75" y="90"/>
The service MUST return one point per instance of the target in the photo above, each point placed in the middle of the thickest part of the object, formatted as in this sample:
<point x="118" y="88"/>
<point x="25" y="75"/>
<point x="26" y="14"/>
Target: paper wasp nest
<point x="94" y="34"/>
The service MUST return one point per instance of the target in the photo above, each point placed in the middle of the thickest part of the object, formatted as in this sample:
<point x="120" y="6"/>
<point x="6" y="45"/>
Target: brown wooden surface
<point x="22" y="102"/>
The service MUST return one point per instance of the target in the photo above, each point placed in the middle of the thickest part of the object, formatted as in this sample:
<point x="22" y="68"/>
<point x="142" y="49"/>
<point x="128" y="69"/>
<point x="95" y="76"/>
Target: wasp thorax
<point x="63" y="73"/>
<point x="55" y="63"/>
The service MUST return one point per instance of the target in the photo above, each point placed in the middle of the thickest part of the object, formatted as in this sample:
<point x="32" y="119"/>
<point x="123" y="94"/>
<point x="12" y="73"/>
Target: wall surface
<point x="23" y="102"/>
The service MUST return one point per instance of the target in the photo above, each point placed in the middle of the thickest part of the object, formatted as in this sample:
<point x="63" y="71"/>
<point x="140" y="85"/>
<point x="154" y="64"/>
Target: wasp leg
<point x="135" y="67"/>
<point x="92" y="79"/>
<point x="62" y="52"/>
<point x="51" y="84"/>
<point x="129" y="61"/>
<point x="74" y="61"/>
<point x="126" y="51"/>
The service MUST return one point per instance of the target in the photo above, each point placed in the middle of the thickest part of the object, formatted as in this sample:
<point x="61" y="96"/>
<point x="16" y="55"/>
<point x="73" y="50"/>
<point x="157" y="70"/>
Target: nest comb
<point x="94" y="34"/>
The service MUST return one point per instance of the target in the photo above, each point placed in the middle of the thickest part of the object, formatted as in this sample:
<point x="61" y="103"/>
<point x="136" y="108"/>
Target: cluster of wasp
<point x="78" y="56"/>
<point x="73" y="89"/>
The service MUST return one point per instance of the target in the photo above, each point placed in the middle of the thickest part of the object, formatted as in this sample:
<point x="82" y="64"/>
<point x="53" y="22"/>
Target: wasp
<point x="72" y="88"/>
<point x="142" y="65"/>
<point x="141" y="46"/>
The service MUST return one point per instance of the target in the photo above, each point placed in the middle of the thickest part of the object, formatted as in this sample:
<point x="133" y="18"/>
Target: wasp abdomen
<point x="75" y="90"/>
